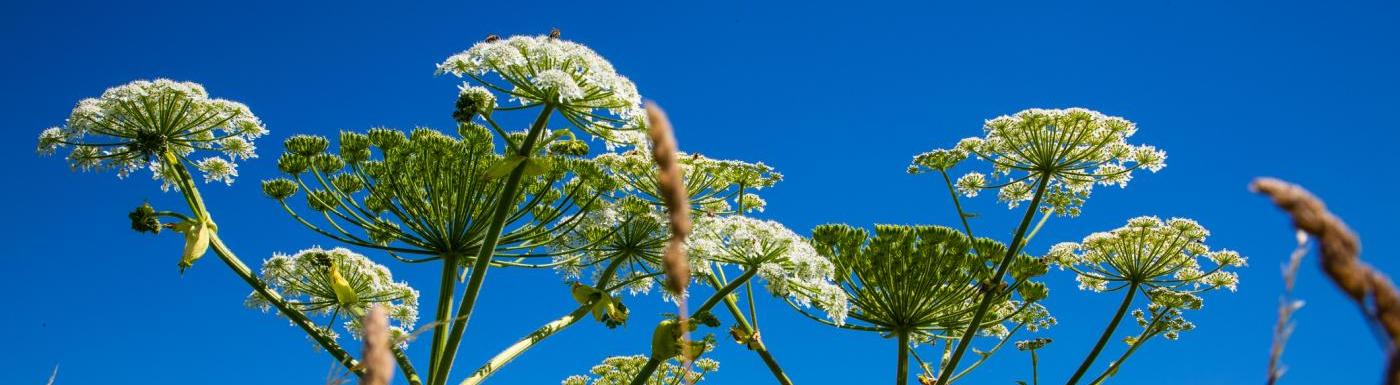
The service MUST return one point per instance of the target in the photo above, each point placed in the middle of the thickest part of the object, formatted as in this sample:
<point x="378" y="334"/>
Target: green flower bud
<point x="351" y="141"/>
<point x="321" y="200"/>
<point x="383" y="232"/>
<point x="279" y="188"/>
<point x="386" y="139"/>
<point x="572" y="147"/>
<point x="347" y="183"/>
<point x="144" y="219"/>
<point x="292" y="164"/>
<point x="307" y="145"/>
<point x="1031" y="291"/>
<point x="473" y="132"/>
<point x="327" y="163"/>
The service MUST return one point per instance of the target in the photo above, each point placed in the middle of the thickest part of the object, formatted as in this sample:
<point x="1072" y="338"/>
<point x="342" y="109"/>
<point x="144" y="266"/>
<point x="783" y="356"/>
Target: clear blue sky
<point x="837" y="96"/>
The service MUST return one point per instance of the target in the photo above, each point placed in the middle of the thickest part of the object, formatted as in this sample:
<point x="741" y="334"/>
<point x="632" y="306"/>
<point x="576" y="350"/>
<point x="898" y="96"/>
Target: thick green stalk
<point x="196" y="203"/>
<point x="902" y="368"/>
<point x="406" y="366"/>
<point x="758" y="347"/>
<point x="504" y="203"/>
<point x="646" y="371"/>
<point x="446" y="289"/>
<point x="986" y="303"/>
<point x="1107" y="333"/>
<point x="1035" y="368"/>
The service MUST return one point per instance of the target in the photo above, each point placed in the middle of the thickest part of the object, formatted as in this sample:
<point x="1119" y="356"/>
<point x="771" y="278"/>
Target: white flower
<point x="308" y="281"/>
<point x="1152" y="253"/>
<point x="583" y="86"/>
<point x="215" y="168"/>
<point x="788" y="264"/>
<point x="237" y="147"/>
<point x="139" y="124"/>
<point x="1073" y="148"/>
<point x="971" y="184"/>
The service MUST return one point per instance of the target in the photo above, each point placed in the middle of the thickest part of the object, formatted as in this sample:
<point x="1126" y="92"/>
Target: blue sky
<point x="837" y="96"/>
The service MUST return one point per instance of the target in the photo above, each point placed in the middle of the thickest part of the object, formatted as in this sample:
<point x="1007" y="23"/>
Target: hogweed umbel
<point x="1161" y="259"/>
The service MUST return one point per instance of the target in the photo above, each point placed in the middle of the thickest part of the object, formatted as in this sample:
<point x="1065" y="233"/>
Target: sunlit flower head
<point x="788" y="264"/>
<point x="339" y="283"/>
<point x="567" y="76"/>
<point x="1152" y="253"/>
<point x="1060" y="153"/>
<point x="144" y="123"/>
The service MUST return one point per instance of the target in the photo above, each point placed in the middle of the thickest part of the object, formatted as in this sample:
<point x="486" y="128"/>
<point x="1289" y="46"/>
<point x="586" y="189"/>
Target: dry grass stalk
<point x="1339" y="248"/>
<point x="54" y="376"/>
<point x="1287" y="305"/>
<point x="665" y="153"/>
<point x="378" y="359"/>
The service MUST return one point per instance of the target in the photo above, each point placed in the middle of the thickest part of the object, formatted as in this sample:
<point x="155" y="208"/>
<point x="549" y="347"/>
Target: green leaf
<point x="504" y="166"/>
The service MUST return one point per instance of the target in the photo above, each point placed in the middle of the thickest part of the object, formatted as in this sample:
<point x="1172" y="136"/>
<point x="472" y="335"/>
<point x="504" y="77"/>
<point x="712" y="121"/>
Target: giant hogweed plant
<point x="488" y="195"/>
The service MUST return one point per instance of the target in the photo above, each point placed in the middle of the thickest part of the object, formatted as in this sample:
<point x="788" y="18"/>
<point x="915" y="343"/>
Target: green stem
<point x="1107" y="333"/>
<point x="710" y="303"/>
<point x="758" y="347"/>
<point x="447" y="287"/>
<point x="406" y="366"/>
<point x="296" y="316"/>
<point x="504" y="203"/>
<point x="646" y="371"/>
<point x="724" y="291"/>
<point x="196" y="203"/>
<point x="524" y="344"/>
<point x="902" y="368"/>
<point x="1035" y="371"/>
<point x="986" y="303"/>
<point x="1147" y="333"/>
<point x="549" y="329"/>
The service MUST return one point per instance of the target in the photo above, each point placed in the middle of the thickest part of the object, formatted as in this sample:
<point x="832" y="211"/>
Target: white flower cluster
<point x="1152" y="253"/>
<point x="713" y="183"/>
<point x="1072" y="149"/>
<point x="567" y="75"/>
<point x="620" y="370"/>
<point x="629" y="229"/>
<point x="133" y="125"/>
<point x="790" y="265"/>
<point x="339" y="283"/>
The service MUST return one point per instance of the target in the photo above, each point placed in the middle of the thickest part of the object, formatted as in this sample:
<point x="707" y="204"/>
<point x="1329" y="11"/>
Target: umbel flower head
<point x="548" y="71"/>
<point x="429" y="193"/>
<point x="618" y="245"/>
<point x="1151" y="253"/>
<point x="338" y="283"/>
<point x="788" y="264"/>
<point x="144" y="124"/>
<point x="923" y="279"/>
<point x="1063" y="153"/>
<point x="714" y="185"/>
<point x="620" y="370"/>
